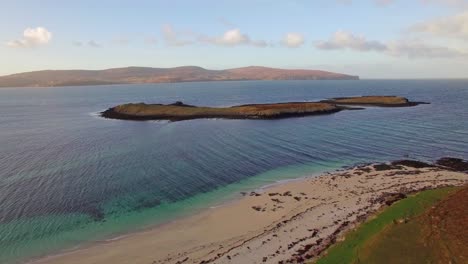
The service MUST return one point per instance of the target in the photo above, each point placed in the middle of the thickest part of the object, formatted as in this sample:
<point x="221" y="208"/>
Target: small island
<point x="381" y="101"/>
<point x="180" y="111"/>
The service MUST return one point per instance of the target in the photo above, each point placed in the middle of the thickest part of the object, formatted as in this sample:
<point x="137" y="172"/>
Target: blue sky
<point x="370" y="38"/>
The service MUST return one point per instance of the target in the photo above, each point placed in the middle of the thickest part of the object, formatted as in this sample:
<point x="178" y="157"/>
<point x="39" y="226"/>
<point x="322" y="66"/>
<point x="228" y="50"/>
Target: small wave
<point x="115" y="238"/>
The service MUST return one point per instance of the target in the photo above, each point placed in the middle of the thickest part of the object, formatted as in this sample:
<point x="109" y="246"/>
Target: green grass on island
<point x="371" y="100"/>
<point x="180" y="111"/>
<point x="398" y="234"/>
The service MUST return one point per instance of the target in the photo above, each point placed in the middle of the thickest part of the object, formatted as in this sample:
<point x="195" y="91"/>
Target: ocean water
<point x="69" y="177"/>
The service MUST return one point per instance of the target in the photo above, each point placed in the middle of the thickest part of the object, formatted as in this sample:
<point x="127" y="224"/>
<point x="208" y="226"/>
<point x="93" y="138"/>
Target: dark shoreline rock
<point x="412" y="163"/>
<point x="446" y="163"/>
<point x="454" y="164"/>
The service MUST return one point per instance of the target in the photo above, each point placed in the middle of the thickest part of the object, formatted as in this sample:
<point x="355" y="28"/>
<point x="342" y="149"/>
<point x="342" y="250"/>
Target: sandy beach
<point x="286" y="223"/>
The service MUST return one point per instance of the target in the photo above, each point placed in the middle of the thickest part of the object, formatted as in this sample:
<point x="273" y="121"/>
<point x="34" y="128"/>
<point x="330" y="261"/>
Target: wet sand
<point x="285" y="223"/>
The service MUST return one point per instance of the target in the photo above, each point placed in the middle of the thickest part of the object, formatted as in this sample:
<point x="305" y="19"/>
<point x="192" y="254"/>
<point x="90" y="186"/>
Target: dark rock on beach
<point x="454" y="164"/>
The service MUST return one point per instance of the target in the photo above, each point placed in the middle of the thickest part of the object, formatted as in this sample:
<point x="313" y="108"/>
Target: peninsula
<point x="180" y="111"/>
<point x="139" y="75"/>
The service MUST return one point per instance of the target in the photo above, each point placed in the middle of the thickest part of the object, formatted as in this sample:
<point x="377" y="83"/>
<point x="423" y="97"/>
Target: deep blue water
<point x="68" y="176"/>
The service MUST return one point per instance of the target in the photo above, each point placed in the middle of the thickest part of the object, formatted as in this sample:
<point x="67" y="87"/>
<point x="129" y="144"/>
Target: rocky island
<point x="180" y="111"/>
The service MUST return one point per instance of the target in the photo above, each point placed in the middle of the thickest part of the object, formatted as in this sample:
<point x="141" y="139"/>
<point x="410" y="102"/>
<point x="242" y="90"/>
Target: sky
<point x="370" y="38"/>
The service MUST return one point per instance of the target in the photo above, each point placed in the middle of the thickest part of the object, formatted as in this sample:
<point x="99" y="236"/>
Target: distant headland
<point x="180" y="111"/>
<point x="140" y="75"/>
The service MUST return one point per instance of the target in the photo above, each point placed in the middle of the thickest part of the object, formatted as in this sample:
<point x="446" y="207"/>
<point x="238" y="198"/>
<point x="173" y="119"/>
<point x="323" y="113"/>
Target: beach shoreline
<point x="225" y="201"/>
<point x="285" y="221"/>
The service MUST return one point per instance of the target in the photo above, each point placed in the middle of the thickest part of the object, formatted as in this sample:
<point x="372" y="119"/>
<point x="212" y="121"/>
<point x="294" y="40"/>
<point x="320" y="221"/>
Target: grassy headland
<point x="429" y="227"/>
<point x="181" y="111"/>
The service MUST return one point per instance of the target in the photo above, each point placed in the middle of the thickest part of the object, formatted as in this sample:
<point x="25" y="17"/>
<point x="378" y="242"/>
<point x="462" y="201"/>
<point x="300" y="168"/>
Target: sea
<point x="69" y="178"/>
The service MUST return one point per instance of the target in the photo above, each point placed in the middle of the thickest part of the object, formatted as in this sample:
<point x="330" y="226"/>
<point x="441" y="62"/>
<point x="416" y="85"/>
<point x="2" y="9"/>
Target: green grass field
<point x="355" y="248"/>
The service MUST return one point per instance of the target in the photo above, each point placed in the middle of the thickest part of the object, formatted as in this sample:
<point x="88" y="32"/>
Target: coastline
<point x="268" y="225"/>
<point x="217" y="198"/>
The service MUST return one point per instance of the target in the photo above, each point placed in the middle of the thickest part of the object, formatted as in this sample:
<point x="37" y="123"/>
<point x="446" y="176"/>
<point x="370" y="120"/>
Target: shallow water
<point x="68" y="176"/>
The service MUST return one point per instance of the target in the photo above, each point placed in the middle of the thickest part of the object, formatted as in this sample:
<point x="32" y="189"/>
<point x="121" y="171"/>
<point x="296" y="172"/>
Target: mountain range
<point x="138" y="75"/>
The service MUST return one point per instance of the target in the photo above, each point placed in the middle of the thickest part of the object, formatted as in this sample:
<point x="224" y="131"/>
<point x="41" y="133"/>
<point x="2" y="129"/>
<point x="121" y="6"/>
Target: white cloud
<point x="345" y="40"/>
<point x="455" y="26"/>
<point x="32" y="37"/>
<point x="231" y="38"/>
<point x="293" y="40"/>
<point x="402" y="48"/>
<point x="173" y="38"/>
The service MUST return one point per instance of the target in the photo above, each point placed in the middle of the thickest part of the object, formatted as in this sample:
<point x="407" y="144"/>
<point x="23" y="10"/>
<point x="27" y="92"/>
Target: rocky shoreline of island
<point x="179" y="111"/>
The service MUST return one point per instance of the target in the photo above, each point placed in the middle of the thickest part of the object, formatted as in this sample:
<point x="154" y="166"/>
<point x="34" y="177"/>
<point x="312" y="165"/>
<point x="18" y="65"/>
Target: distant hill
<point x="135" y="75"/>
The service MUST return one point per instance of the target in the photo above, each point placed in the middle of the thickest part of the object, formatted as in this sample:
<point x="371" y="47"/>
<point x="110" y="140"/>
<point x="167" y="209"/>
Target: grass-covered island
<point x="180" y="111"/>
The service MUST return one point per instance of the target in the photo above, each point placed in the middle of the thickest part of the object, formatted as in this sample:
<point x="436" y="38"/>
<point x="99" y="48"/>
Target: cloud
<point x="94" y="44"/>
<point x="173" y="38"/>
<point x="91" y="43"/>
<point x="32" y="37"/>
<point x="293" y="40"/>
<point x="415" y="50"/>
<point x="455" y="26"/>
<point x="402" y="48"/>
<point x="344" y="40"/>
<point x="231" y="38"/>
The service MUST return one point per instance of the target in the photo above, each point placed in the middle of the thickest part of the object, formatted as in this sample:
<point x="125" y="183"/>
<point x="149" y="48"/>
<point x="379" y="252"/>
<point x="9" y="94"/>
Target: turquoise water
<point x="68" y="177"/>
